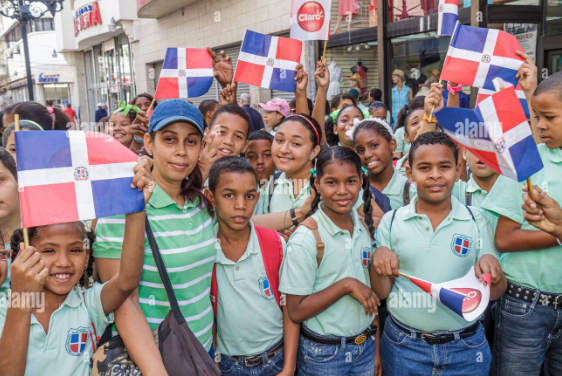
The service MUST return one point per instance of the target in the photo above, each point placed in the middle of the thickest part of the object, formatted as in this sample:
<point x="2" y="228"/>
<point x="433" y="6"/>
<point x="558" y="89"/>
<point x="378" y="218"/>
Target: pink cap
<point x="277" y="104"/>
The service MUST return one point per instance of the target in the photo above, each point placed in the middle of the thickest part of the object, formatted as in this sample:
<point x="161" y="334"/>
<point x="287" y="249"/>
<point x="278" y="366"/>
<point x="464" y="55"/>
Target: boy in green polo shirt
<point x="528" y="316"/>
<point x="254" y="336"/>
<point x="422" y="336"/>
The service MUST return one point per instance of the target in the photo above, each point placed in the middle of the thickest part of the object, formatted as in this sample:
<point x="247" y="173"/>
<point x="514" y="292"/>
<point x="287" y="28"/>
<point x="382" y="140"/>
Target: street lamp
<point x="23" y="11"/>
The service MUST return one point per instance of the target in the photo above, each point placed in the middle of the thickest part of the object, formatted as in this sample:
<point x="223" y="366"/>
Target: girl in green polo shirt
<point x="329" y="292"/>
<point x="47" y="326"/>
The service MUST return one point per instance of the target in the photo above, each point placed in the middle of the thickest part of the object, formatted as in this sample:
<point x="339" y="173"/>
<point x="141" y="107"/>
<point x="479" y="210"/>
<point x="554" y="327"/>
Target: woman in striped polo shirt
<point x="181" y="220"/>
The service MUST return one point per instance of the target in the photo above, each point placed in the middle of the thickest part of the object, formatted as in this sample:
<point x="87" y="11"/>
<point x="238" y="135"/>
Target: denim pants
<point x="406" y="355"/>
<point x="335" y="360"/>
<point x="527" y="335"/>
<point x="269" y="367"/>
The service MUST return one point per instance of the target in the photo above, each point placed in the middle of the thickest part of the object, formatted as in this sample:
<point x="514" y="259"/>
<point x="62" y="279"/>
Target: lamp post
<point x="23" y="11"/>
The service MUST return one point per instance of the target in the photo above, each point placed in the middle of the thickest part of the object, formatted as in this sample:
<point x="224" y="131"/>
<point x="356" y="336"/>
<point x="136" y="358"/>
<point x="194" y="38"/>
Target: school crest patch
<point x="76" y="341"/>
<point x="265" y="288"/>
<point x="460" y="245"/>
<point x="366" y="257"/>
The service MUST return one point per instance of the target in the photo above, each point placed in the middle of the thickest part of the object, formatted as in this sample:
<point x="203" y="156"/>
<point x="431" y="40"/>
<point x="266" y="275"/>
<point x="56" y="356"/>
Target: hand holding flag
<point x="224" y="70"/>
<point x="527" y="74"/>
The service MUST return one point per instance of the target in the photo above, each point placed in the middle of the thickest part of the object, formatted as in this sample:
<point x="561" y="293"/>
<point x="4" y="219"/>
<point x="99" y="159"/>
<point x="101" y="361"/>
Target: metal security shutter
<point x="233" y="52"/>
<point x="288" y="96"/>
<point x="157" y="69"/>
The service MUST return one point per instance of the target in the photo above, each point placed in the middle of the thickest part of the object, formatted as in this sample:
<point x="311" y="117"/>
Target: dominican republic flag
<point x="476" y="56"/>
<point x="269" y="62"/>
<point x="466" y="296"/>
<point x="187" y="73"/>
<point x="500" y="84"/>
<point x="448" y="16"/>
<point x="310" y="20"/>
<point x="497" y="132"/>
<point x="79" y="176"/>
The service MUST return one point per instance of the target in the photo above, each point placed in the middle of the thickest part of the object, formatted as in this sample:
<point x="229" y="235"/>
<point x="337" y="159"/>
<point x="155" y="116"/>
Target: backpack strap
<point x="93" y="327"/>
<point x="273" y="186"/>
<point x="471" y="214"/>
<point x="311" y="224"/>
<point x="272" y="255"/>
<point x="214" y="290"/>
<point x="406" y="193"/>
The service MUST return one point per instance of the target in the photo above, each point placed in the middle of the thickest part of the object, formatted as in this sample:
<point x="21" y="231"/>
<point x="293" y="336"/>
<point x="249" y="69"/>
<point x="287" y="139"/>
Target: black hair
<point x="375" y="126"/>
<point x="376" y="94"/>
<point x="61" y="121"/>
<point x="293" y="104"/>
<point x="233" y="110"/>
<point x="24" y="126"/>
<point x="346" y="155"/>
<point x="35" y="112"/>
<point x="88" y="236"/>
<point x="432" y="138"/>
<point x="408" y="119"/>
<point x="552" y="84"/>
<point x="132" y="114"/>
<point x="144" y="95"/>
<point x="309" y="123"/>
<point x="339" y="97"/>
<point x="377" y="104"/>
<point x="229" y="164"/>
<point x="206" y="106"/>
<point x="8" y="161"/>
<point x="260" y="135"/>
<point x="413" y="105"/>
<point x="331" y="137"/>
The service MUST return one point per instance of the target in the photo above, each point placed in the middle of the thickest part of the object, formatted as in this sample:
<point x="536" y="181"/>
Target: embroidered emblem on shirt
<point x="76" y="341"/>
<point x="265" y="288"/>
<point x="366" y="257"/>
<point x="460" y="245"/>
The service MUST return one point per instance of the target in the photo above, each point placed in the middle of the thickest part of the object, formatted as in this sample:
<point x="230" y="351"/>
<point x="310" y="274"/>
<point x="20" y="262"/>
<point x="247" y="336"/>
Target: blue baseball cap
<point x="173" y="111"/>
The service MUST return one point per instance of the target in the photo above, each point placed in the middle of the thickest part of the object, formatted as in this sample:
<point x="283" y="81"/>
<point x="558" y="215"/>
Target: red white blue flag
<point x="268" y="62"/>
<point x="499" y="84"/>
<point x="476" y="56"/>
<point x="186" y="73"/>
<point x="466" y="296"/>
<point x="497" y="132"/>
<point x="78" y="176"/>
<point x="448" y="16"/>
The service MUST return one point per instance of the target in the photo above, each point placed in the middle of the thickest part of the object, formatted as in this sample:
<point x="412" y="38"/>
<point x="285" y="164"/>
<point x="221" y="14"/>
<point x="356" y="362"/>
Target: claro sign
<point x="86" y="17"/>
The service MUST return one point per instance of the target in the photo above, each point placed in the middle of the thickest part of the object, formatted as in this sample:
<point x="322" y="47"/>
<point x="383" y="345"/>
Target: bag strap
<point x="406" y="193"/>
<point x="273" y="186"/>
<point x="93" y="327"/>
<point x="175" y="307"/>
<point x="272" y="255"/>
<point x="468" y="198"/>
<point x="311" y="224"/>
<point x="214" y="290"/>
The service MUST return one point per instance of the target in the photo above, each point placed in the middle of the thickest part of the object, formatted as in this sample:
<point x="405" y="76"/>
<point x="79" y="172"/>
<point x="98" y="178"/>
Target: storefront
<point x="409" y="42"/>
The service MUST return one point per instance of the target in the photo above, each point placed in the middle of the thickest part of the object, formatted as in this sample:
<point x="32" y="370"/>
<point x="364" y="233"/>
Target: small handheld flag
<point x="186" y="73"/>
<point x="310" y="20"/>
<point x="497" y="132"/>
<point x="448" y="16"/>
<point x="476" y="56"/>
<point x="466" y="296"/>
<point x="269" y="62"/>
<point x="500" y="84"/>
<point x="80" y="176"/>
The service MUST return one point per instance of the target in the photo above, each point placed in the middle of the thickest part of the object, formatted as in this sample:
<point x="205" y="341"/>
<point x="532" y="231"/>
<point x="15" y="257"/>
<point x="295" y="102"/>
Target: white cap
<point x="100" y="104"/>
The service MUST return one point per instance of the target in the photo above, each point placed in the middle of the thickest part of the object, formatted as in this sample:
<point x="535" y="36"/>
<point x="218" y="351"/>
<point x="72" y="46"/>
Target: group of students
<point x="284" y="248"/>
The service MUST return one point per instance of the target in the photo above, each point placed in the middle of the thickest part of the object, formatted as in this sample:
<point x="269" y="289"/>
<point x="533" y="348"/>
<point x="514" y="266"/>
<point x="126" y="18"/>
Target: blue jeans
<point x="335" y="360"/>
<point x="406" y="355"/>
<point x="269" y="367"/>
<point x="526" y="336"/>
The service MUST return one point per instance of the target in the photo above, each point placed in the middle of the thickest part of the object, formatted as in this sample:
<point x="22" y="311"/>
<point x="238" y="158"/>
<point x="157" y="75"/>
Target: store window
<point x="351" y="15"/>
<point x="58" y="93"/>
<point x="125" y="67"/>
<point x="407" y="9"/>
<point x="353" y="66"/>
<point x="553" y="17"/>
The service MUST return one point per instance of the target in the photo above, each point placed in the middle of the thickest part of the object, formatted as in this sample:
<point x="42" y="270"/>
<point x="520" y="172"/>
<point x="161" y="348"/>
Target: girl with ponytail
<point x="326" y="273"/>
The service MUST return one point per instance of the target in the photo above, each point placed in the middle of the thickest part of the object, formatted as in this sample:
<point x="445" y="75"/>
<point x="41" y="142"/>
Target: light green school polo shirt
<point x="394" y="190"/>
<point x="400" y="165"/>
<point x="431" y="256"/>
<point x="67" y="347"/>
<point x="249" y="320"/>
<point x="401" y="145"/>
<point x="478" y="197"/>
<point x="345" y="255"/>
<point x="538" y="269"/>
<point x="186" y="239"/>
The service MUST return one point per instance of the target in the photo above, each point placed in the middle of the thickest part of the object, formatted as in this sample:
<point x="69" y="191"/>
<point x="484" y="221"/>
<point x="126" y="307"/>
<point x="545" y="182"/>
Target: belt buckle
<point x="557" y="302"/>
<point x="252" y="361"/>
<point x="425" y="337"/>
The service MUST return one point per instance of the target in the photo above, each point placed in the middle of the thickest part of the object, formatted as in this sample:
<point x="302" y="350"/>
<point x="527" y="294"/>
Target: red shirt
<point x="70" y="113"/>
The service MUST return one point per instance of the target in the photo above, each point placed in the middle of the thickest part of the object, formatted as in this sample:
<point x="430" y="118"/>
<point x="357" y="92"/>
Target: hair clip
<point x="313" y="172"/>
<point x="365" y="171"/>
<point x="334" y="115"/>
<point x="126" y="108"/>
<point x="88" y="226"/>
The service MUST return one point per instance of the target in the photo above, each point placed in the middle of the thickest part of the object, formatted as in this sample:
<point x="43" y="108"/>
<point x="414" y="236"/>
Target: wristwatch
<point x="294" y="217"/>
<point x="453" y="90"/>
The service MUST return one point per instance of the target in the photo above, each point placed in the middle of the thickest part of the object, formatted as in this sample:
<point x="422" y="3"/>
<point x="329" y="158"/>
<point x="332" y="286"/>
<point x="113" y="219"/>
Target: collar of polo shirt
<point x="458" y="210"/>
<point x="555" y="155"/>
<point x="160" y="199"/>
<point x="331" y="226"/>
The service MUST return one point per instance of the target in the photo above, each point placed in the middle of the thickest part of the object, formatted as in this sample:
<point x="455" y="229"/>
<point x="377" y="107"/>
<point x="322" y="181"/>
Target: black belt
<point x="358" y="339"/>
<point x="527" y="294"/>
<point x="256" y="360"/>
<point x="437" y="339"/>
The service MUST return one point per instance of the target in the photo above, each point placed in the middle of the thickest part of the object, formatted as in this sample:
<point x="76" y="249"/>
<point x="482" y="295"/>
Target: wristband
<point x="433" y="119"/>
<point x="294" y="217"/>
<point x="455" y="89"/>
<point x="139" y="140"/>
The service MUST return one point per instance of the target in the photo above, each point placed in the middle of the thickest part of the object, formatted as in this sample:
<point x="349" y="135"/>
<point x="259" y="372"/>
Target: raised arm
<point x="322" y="76"/>
<point x="528" y="78"/>
<point x="300" y="93"/>
<point x="433" y="103"/>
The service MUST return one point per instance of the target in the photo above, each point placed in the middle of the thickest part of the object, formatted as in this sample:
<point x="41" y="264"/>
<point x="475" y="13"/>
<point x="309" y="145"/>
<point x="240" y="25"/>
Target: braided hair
<point x="88" y="236"/>
<point x="344" y="154"/>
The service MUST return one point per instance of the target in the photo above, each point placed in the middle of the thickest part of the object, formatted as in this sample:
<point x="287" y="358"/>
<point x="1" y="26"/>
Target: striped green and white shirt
<point x="186" y="239"/>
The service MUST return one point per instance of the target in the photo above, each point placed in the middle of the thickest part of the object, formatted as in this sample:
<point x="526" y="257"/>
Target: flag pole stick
<point x="324" y="53"/>
<point x="24" y="230"/>
<point x="151" y="105"/>
<point x="530" y="187"/>
<point x="433" y="107"/>
<point x="404" y="275"/>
